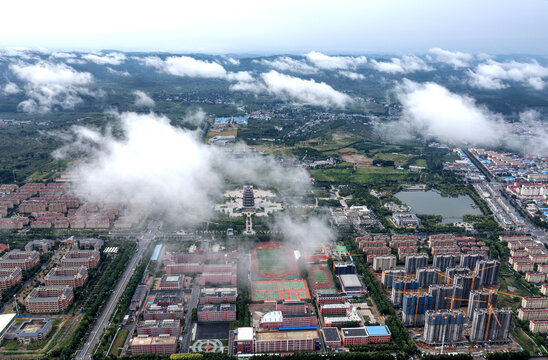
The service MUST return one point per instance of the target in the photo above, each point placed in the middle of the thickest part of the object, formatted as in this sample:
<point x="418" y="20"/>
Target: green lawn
<point x="272" y="259"/>
<point x="119" y="341"/>
<point x="378" y="175"/>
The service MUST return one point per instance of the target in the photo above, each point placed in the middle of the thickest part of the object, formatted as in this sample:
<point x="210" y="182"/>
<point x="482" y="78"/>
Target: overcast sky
<point x="295" y="26"/>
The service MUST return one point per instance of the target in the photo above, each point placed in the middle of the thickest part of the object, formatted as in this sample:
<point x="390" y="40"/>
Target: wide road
<point x="194" y="299"/>
<point x="103" y="320"/>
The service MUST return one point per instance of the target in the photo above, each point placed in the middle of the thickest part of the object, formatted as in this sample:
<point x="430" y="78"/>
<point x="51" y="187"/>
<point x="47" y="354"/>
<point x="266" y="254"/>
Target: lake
<point x="431" y="202"/>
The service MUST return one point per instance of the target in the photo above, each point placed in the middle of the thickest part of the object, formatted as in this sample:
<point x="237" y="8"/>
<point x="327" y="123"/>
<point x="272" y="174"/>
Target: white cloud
<point x="187" y="66"/>
<point x="142" y="99"/>
<point x="407" y="64"/>
<point x="112" y="58"/>
<point x="233" y="61"/>
<point x="430" y="110"/>
<point x="352" y="75"/>
<point x="76" y="61"/>
<point x="492" y="74"/>
<point x="285" y="63"/>
<point x="306" y="233"/>
<point x="62" y="55"/>
<point x="11" y="88"/>
<point x="326" y="62"/>
<point x="49" y="85"/>
<point x="456" y="59"/>
<point x="117" y="72"/>
<point x="156" y="163"/>
<point x="302" y="91"/>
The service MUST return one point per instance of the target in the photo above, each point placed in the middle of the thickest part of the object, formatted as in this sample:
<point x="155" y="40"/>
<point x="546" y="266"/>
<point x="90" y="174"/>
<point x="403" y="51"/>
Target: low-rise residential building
<point x="86" y="258"/>
<point x="10" y="277"/>
<point x="43" y="245"/>
<point x="21" y="259"/>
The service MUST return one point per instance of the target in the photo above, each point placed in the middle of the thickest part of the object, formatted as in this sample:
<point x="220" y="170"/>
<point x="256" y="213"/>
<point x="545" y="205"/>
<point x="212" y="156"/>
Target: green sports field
<point x="320" y="277"/>
<point x="274" y="259"/>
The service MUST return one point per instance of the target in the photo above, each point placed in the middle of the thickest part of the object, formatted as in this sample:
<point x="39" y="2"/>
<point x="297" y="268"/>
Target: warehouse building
<point x="444" y="327"/>
<point x="491" y="325"/>
<point x="153" y="344"/>
<point x="415" y="262"/>
<point x="49" y="299"/>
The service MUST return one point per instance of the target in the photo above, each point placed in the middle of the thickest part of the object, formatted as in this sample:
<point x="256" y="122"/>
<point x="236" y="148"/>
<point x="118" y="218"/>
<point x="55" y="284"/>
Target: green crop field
<point x="272" y="259"/>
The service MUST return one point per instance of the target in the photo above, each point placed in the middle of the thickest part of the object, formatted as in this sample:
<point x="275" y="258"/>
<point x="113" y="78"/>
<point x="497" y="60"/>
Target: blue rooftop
<point x="156" y="253"/>
<point x="376" y="330"/>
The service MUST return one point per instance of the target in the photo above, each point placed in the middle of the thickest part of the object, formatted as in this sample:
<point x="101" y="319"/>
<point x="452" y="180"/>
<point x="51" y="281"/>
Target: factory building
<point x="444" y="327"/>
<point x="488" y="272"/>
<point x="388" y="276"/>
<point x="444" y="261"/>
<point x="481" y="300"/>
<point x="415" y="262"/>
<point x="427" y="277"/>
<point x="414" y="307"/>
<point x="384" y="262"/>
<point x="469" y="261"/>
<point x="398" y="289"/>
<point x="445" y="296"/>
<point x="534" y="302"/>
<point x="492" y="325"/>
<point x="538" y="326"/>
